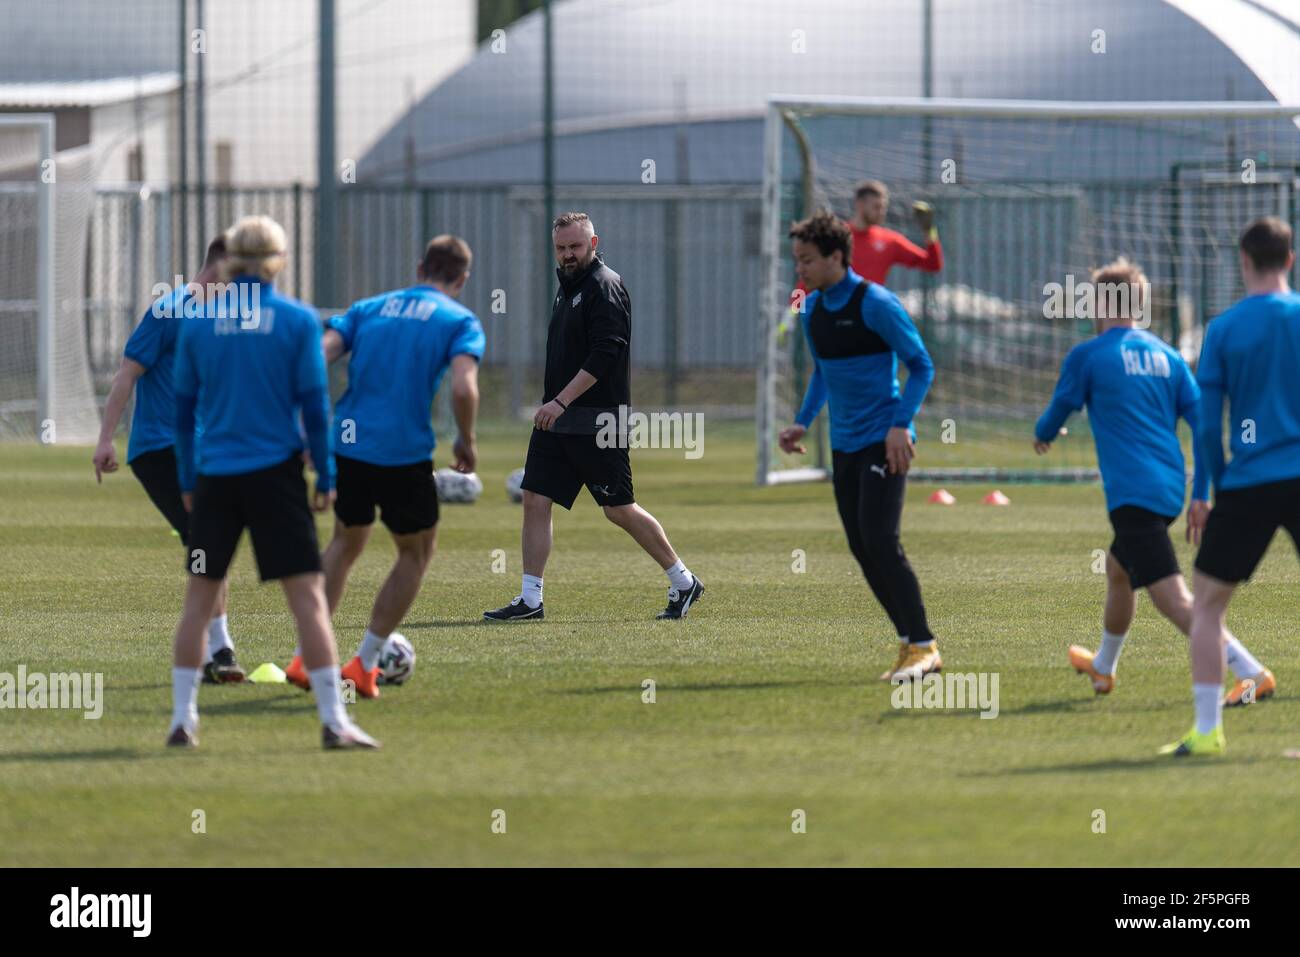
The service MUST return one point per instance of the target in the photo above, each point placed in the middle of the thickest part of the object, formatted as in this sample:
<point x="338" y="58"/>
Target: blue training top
<point x="1251" y="356"/>
<point x="855" y="354"/>
<point x="401" y="343"/>
<point x="251" y="372"/>
<point x="1135" y="386"/>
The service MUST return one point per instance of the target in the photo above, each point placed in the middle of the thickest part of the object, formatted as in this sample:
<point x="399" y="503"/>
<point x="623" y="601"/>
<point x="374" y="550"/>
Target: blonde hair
<point x="255" y="246"/>
<point x="1125" y="273"/>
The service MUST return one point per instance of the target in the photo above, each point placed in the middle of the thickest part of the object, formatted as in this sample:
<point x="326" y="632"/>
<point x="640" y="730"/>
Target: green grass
<point x="766" y="695"/>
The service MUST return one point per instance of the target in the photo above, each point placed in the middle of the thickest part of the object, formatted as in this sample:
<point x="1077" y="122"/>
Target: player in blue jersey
<point x="147" y="368"/>
<point x="401" y="344"/>
<point x="1250" y="357"/>
<point x="857" y="333"/>
<point x="1136" y="387"/>
<point x="250" y="367"/>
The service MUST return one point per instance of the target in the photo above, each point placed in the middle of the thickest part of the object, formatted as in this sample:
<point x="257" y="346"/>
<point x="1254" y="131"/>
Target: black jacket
<point x="591" y="329"/>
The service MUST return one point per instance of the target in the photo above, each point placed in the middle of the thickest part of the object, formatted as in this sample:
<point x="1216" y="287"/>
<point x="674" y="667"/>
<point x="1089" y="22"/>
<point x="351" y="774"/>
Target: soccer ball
<point x="456" y="486"/>
<point x="396" y="661"/>
<point x="514" y="485"/>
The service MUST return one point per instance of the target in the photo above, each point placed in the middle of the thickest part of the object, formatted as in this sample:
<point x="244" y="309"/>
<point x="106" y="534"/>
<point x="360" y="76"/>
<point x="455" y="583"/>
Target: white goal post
<point x="1165" y="223"/>
<point x="47" y="201"/>
<point x="43" y="126"/>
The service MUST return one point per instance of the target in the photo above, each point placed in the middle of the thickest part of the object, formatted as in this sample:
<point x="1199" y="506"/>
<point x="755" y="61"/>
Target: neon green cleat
<point x="1195" y="745"/>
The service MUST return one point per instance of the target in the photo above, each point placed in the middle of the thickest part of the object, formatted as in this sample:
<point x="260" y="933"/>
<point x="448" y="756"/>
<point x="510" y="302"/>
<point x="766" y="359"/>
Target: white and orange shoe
<point x="1249" y="690"/>
<point x="366" y="682"/>
<point x="1081" y="661"/>
<point x="296" y="674"/>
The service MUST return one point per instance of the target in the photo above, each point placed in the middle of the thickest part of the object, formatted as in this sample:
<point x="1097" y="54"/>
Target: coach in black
<point x="587" y="381"/>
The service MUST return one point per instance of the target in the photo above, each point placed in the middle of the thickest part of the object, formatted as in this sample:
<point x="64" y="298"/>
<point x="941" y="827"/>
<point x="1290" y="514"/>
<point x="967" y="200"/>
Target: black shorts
<point x="559" y="464"/>
<point x="272" y="504"/>
<point x="1242" y="524"/>
<point x="157" y="473"/>
<point x="1142" y="544"/>
<point x="407" y="495"/>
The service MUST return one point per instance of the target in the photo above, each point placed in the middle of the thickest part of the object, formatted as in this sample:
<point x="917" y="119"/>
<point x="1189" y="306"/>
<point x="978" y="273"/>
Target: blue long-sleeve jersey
<point x="1135" y="387"/>
<point x="249" y="372"/>
<point x="857" y="332"/>
<point x="1250" y="356"/>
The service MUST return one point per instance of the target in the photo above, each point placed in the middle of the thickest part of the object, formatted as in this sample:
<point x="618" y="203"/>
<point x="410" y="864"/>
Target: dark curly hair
<point x="827" y="232"/>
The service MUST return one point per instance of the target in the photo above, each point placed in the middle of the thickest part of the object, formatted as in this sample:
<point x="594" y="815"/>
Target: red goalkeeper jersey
<point x="876" y="248"/>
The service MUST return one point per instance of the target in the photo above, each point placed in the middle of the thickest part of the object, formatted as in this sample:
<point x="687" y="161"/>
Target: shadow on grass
<point x="661" y="687"/>
<point x="108" y="754"/>
<point x="1066" y="706"/>
<point x="297" y="701"/>
<point x="1162" y="762"/>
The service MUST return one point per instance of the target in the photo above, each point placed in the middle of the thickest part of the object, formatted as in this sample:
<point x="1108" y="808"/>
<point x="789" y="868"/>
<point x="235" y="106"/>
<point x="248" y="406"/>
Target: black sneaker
<point x="223" y="669"/>
<point x="679" y="603"/>
<point x="515" y="611"/>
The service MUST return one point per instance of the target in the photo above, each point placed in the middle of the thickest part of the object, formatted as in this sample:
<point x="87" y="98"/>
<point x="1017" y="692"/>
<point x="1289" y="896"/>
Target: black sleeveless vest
<point x="842" y="333"/>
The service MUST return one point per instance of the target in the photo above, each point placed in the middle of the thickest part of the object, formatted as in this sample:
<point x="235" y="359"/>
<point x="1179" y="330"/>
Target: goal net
<point x="1028" y="198"/>
<point x="46" y="390"/>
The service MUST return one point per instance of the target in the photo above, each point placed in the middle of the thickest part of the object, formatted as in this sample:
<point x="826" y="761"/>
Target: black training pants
<point x="870" y="501"/>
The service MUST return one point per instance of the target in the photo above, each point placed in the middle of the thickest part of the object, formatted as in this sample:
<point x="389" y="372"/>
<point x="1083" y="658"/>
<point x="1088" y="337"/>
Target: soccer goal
<point x="1028" y="198"/>
<point x="46" y="390"/>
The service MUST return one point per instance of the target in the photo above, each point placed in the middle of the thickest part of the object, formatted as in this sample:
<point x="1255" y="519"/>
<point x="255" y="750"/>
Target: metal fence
<point x="690" y="258"/>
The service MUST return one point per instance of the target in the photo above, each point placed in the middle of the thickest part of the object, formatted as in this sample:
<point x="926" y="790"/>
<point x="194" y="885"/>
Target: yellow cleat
<point x="918" y="662"/>
<point x="1081" y="661"/>
<point x="1249" y="690"/>
<point x="1196" y="745"/>
<point x="898" y="662"/>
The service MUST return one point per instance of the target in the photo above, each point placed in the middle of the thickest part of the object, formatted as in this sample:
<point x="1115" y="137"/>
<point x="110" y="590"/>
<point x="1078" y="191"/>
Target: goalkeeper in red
<point x="857" y="332"/>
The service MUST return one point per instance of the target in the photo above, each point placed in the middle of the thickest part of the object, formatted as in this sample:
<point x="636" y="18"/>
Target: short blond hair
<point x="255" y="246"/>
<point x="1126" y="273"/>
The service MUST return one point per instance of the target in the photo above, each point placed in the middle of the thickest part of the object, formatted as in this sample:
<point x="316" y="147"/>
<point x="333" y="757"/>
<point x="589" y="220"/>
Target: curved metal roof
<point x="631" y="75"/>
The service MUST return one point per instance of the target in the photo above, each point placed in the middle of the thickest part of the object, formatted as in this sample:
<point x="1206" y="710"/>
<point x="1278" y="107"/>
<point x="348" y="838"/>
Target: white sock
<point x="679" y="576"/>
<point x="329" y="703"/>
<point x="1241" y="661"/>
<point x="1209" y="707"/>
<point x="531" y="591"/>
<point x="371" y="647"/>
<point x="218" y="637"/>
<point x="922" y="644"/>
<point x="185" y="697"/>
<point x="1107" y="655"/>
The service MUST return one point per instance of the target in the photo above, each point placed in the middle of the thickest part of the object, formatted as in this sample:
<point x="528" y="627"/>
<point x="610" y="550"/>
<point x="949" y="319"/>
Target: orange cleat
<point x="296" y="674"/>
<point x="1249" y="690"/>
<point x="366" y="682"/>
<point x="1081" y="661"/>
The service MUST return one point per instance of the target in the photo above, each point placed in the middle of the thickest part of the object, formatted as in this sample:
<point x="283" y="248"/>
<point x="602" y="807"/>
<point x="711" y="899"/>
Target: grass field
<point x="766" y="695"/>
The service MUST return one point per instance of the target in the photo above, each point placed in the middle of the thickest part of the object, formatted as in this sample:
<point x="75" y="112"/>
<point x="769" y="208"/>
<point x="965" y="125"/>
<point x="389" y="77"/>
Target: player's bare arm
<point x="331" y="344"/>
<point x="105" y="458"/>
<point x="1198" y="513"/>
<point x="464" y="403"/>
